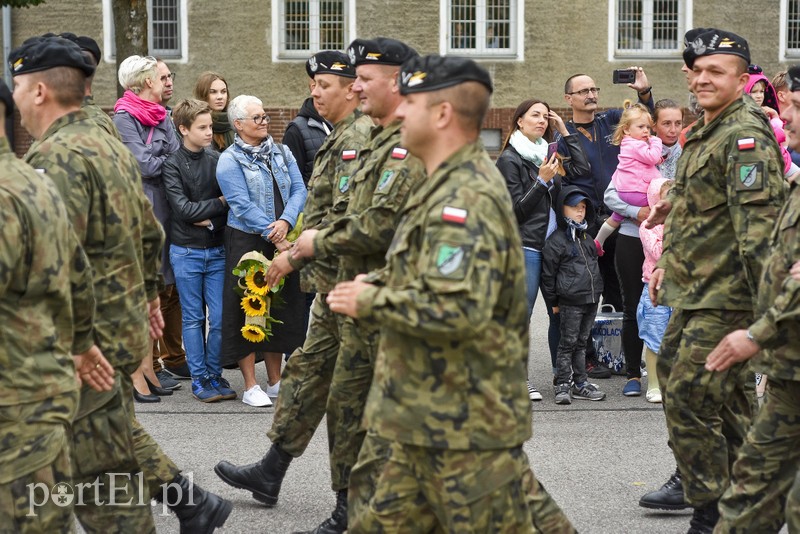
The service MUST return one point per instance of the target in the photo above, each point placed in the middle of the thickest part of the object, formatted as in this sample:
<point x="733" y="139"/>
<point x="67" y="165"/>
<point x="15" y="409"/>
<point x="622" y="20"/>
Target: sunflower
<point x="254" y="306"/>
<point x="256" y="281"/>
<point x="253" y="333"/>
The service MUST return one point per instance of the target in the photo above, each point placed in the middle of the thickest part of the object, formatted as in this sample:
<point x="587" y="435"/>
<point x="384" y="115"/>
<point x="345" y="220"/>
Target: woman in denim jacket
<point x="264" y="189"/>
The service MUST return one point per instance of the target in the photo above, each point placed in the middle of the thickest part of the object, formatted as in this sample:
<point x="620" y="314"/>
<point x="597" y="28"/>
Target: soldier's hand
<point x="280" y="267"/>
<point x="344" y="297"/>
<point x="658" y="214"/>
<point x="92" y="369"/>
<point x="734" y="348"/>
<point x="655" y="285"/>
<point x="795" y="271"/>
<point x="156" y="319"/>
<point x="304" y="246"/>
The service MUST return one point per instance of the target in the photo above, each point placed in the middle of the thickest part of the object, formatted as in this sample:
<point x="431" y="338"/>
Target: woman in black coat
<point x="534" y="180"/>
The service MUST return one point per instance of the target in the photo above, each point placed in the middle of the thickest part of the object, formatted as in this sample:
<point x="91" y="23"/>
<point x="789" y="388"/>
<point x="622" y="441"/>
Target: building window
<point x="166" y="29"/>
<point x="649" y="28"/>
<point x="790" y="27"/>
<point x="486" y="28"/>
<point x="308" y="26"/>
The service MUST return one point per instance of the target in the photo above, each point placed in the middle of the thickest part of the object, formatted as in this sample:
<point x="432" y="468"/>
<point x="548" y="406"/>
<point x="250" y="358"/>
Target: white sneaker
<point x="654" y="396"/>
<point x="255" y="396"/>
<point x="533" y="393"/>
<point x="272" y="391"/>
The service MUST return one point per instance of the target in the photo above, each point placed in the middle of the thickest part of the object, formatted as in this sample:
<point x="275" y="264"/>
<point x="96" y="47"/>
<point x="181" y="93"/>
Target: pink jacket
<point x="651" y="237"/>
<point x="637" y="164"/>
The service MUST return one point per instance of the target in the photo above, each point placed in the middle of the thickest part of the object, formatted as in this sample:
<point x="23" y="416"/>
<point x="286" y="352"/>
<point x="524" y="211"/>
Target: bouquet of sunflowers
<point x="256" y="295"/>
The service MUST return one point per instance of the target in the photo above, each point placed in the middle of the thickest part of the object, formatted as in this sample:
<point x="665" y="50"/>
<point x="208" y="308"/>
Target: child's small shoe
<point x="599" y="248"/>
<point x="587" y="391"/>
<point x="562" y="394"/>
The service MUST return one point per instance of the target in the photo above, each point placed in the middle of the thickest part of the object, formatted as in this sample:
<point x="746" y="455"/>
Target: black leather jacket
<point x="190" y="180"/>
<point x="530" y="198"/>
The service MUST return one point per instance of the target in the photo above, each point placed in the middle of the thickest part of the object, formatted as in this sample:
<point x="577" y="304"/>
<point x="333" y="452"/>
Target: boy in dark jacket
<point x="572" y="285"/>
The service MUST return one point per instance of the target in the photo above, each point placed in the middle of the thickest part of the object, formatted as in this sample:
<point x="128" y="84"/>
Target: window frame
<point x="685" y="11"/>
<point x="784" y="52"/>
<point x="517" y="38"/>
<point x="109" y="51"/>
<point x="281" y="55"/>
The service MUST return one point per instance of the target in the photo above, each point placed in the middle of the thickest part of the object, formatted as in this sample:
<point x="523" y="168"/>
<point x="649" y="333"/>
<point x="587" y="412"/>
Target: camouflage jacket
<point x="728" y="190"/>
<point x="777" y="327"/>
<point x="452" y="309"/>
<point x="99" y="181"/>
<point x="329" y="193"/>
<point x="99" y="116"/>
<point x="378" y="190"/>
<point x="46" y="298"/>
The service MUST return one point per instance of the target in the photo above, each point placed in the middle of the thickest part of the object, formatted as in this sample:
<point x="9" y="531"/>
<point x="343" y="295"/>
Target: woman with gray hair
<point x="265" y="191"/>
<point x="145" y="128"/>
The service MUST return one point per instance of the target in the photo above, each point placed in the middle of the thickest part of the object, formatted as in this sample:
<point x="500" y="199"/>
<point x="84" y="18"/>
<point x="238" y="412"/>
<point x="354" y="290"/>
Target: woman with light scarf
<point x="146" y="129"/>
<point x="534" y="184"/>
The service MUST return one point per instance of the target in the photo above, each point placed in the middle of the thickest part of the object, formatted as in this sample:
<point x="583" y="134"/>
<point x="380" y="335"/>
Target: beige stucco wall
<point x="561" y="38"/>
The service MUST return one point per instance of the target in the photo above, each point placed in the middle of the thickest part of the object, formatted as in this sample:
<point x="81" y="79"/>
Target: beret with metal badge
<point x="434" y="72"/>
<point x="46" y="52"/>
<point x="379" y="51"/>
<point x="330" y="62"/>
<point x="713" y="42"/>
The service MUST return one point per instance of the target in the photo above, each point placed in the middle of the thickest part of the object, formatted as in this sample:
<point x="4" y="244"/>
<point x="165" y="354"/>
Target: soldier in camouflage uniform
<point x="99" y="181"/>
<point x="306" y="379"/>
<point x="728" y="190"/>
<point x="769" y="459"/>
<point x="451" y="418"/>
<point x="46" y="313"/>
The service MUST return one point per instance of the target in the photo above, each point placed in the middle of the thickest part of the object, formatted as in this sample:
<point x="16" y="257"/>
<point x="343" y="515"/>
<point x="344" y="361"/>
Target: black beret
<point x="5" y="97"/>
<point x="434" y="72"/>
<point x="86" y="43"/>
<point x="46" y="52"/>
<point x="330" y="62"/>
<point x="713" y="42"/>
<point x="793" y="78"/>
<point x="692" y="34"/>
<point x="380" y="51"/>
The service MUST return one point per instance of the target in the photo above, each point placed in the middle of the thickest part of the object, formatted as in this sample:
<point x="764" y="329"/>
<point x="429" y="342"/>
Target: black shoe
<point x="668" y="497"/>
<point x="141" y="397"/>
<point x="198" y="510"/>
<point x="155" y="390"/>
<point x="167" y="380"/>
<point x="597" y="371"/>
<point x="181" y="372"/>
<point x="262" y="478"/>
<point x="704" y="519"/>
<point x="337" y="522"/>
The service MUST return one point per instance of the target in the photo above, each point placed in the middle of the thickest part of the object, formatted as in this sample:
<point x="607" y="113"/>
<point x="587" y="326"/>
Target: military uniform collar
<point x="381" y="133"/>
<point x="701" y="129"/>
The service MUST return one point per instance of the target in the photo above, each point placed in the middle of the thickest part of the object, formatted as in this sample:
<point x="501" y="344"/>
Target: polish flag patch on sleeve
<point x="347" y="155"/>
<point x="454" y="215"/>
<point x="748" y="143"/>
<point x="399" y="153"/>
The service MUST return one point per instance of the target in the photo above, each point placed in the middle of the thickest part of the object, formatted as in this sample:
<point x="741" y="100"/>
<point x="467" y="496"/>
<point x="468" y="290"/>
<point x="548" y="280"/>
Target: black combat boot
<point x="668" y="497"/>
<point x="704" y="519"/>
<point x="199" y="511"/>
<point x="262" y="478"/>
<point x="337" y="522"/>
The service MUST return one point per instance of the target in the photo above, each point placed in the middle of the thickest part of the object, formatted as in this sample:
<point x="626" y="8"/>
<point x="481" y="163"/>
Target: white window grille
<point x="791" y="14"/>
<point x="308" y="26"/>
<point x="166" y="29"/>
<point x="486" y="28"/>
<point x="649" y="28"/>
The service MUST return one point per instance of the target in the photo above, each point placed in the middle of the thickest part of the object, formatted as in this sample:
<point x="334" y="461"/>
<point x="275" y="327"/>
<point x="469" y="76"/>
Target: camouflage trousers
<point x="352" y="378"/>
<point x="306" y="381"/>
<point x="402" y="488"/>
<point x="793" y="506"/>
<point x="707" y="413"/>
<point x="767" y="465"/>
<point x="36" y="445"/>
<point x="108" y="480"/>
<point x="157" y="467"/>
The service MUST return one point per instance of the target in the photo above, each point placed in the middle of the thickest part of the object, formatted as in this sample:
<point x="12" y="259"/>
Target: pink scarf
<point x="146" y="112"/>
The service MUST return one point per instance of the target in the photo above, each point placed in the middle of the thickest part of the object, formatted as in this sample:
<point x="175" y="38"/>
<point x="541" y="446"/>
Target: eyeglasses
<point x="258" y="119"/>
<point x="171" y="76"/>
<point x="585" y="92"/>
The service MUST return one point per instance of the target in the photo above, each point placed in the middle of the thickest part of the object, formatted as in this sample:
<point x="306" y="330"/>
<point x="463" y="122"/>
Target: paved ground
<point x="596" y="458"/>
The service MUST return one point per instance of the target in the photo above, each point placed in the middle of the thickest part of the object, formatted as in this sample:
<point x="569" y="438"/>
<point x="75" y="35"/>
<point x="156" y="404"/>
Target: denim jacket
<point x="247" y="186"/>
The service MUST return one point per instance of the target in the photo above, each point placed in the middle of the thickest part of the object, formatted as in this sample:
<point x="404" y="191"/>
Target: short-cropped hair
<point x="135" y="70"/>
<point x="186" y="111"/>
<point x="237" y="108"/>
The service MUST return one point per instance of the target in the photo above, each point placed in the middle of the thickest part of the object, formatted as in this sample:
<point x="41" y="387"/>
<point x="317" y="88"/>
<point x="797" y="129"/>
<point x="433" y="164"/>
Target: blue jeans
<point x="199" y="275"/>
<point x="533" y="276"/>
